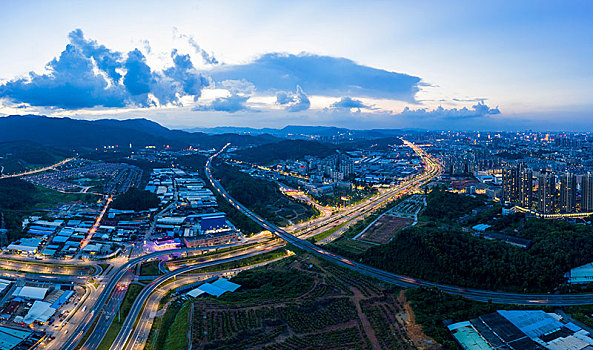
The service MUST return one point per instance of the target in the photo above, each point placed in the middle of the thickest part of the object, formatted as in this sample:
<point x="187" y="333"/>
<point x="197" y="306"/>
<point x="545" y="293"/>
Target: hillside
<point x="288" y="149"/>
<point x="66" y="133"/>
<point x="18" y="156"/>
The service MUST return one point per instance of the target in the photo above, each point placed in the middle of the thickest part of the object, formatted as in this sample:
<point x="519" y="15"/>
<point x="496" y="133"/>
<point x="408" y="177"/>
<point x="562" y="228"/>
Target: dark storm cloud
<point x="321" y="75"/>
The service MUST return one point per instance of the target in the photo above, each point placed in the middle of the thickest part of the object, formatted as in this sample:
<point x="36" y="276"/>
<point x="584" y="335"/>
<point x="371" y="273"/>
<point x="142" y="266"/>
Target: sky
<point x="473" y="65"/>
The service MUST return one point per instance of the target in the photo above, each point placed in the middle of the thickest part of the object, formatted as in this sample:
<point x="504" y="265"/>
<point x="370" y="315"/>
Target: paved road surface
<point x="401" y="280"/>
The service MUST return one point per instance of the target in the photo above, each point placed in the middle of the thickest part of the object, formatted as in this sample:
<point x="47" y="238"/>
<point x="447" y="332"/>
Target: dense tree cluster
<point x="136" y="199"/>
<point x="443" y="205"/>
<point x="288" y="149"/>
<point x="261" y="196"/>
<point x="16" y="196"/>
<point x="455" y="257"/>
<point x="270" y="284"/>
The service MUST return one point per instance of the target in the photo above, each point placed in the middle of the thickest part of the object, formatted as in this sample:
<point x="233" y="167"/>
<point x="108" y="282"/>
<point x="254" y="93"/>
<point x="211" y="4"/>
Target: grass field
<point x="323" y="235"/>
<point x="150" y="268"/>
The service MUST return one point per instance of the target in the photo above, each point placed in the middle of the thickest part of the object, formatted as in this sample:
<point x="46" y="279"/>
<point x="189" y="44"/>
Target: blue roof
<point x="533" y="323"/>
<point x="212" y="289"/>
<point x="225" y="284"/>
<point x="60" y="239"/>
<point x="49" y="252"/>
<point x="39" y="232"/>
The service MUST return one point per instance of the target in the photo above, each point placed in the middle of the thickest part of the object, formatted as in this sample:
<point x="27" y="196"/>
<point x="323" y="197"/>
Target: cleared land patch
<point x="385" y="228"/>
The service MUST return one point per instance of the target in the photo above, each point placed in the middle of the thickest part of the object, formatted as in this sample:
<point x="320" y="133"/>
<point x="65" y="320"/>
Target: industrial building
<point x="520" y="330"/>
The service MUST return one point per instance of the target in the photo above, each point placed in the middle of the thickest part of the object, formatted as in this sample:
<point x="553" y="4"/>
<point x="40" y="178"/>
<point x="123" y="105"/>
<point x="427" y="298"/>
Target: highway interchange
<point x="432" y="169"/>
<point x="105" y="300"/>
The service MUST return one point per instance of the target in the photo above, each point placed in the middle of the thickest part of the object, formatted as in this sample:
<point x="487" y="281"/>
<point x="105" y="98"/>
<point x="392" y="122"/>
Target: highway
<point x="128" y="326"/>
<point x="93" y="311"/>
<point x="400" y="280"/>
<point x="354" y="213"/>
<point x="35" y="171"/>
<point x="109" y="313"/>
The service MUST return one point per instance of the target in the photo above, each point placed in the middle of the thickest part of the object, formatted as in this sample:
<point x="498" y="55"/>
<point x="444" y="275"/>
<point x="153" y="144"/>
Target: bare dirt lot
<point x="384" y="229"/>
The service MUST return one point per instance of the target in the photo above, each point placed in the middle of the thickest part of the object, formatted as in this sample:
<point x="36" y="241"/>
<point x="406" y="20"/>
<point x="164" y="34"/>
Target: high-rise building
<point x="547" y="192"/>
<point x="525" y="188"/>
<point x="568" y="193"/>
<point x="509" y="184"/>
<point x="517" y="185"/>
<point x="587" y="193"/>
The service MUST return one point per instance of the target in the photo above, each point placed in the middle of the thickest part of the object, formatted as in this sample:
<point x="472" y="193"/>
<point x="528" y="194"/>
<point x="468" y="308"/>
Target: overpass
<point x="397" y="279"/>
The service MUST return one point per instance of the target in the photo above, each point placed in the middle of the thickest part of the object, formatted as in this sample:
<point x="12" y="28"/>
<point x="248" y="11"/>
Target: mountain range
<point x="67" y="133"/>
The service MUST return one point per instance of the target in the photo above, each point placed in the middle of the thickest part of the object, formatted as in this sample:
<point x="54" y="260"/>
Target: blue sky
<point x="385" y="64"/>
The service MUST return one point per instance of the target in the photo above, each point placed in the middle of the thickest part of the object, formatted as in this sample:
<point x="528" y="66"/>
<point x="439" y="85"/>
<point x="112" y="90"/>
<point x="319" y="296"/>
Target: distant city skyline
<point x="438" y="65"/>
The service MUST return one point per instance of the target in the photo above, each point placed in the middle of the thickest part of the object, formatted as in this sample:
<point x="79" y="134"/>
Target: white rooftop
<point x="28" y="292"/>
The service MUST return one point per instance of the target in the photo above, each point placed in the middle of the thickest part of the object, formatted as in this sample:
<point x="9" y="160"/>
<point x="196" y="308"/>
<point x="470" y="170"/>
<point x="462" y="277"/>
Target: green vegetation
<point x="284" y="150"/>
<point x="448" y="254"/>
<point x="445" y="253"/>
<point x="262" y="196"/>
<point x="323" y="235"/>
<point x="354" y="196"/>
<point x="161" y="327"/>
<point x="178" y="331"/>
<point x="19" y="156"/>
<point x="136" y="199"/>
<point x="150" y="268"/>
<point x="258" y="285"/>
<point x="285" y="305"/>
<point x="20" y="198"/>
<point x="443" y="205"/>
<point x="118" y="321"/>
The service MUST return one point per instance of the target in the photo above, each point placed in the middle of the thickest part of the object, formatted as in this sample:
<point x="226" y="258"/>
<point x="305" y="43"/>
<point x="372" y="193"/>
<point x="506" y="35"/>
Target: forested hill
<point x="69" y="133"/>
<point x="18" y="156"/>
<point x="288" y="149"/>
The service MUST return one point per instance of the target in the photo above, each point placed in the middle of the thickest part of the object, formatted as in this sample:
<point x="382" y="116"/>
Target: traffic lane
<point x="404" y="281"/>
<point x="128" y="326"/>
<point x="108" y="314"/>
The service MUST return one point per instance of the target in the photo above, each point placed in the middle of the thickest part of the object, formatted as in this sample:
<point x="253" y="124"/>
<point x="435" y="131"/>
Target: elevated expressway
<point x="431" y="170"/>
<point x="97" y="302"/>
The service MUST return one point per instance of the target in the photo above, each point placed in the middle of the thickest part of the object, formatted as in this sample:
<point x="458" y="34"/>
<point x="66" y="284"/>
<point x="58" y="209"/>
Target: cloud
<point x="238" y="86"/>
<point x="184" y="72"/>
<point x="321" y="75"/>
<point x="476" y="111"/>
<point x="350" y="103"/>
<point x="106" y="60"/>
<point x="207" y="57"/>
<point x="87" y="74"/>
<point x="139" y="75"/>
<point x="293" y="102"/>
<point x="233" y="103"/>
<point x="70" y="83"/>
